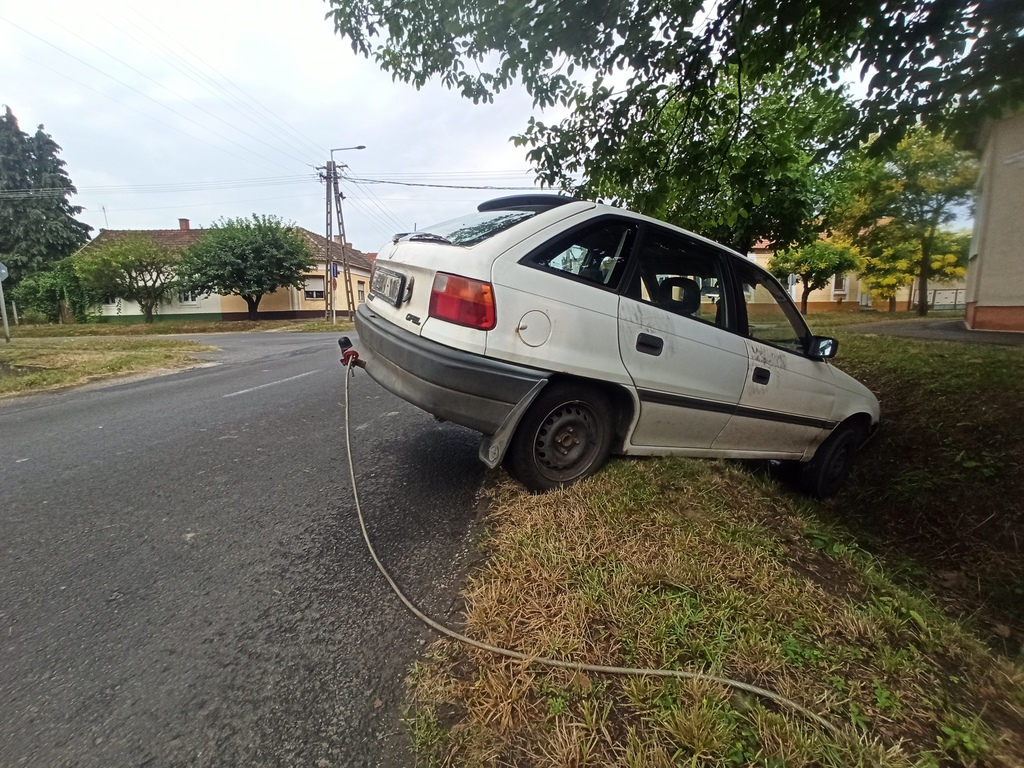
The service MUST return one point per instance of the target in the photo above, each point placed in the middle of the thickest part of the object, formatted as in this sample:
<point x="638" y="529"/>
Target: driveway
<point x="940" y="330"/>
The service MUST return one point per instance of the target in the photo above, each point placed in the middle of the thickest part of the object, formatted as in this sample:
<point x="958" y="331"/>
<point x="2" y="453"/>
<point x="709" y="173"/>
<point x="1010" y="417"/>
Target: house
<point x="995" y="272"/>
<point x="846" y="293"/>
<point x="284" y="304"/>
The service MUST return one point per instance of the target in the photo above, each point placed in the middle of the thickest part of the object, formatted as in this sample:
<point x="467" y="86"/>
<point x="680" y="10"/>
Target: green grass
<point x="896" y="610"/>
<point x="37" y="364"/>
<point x="171" y="327"/>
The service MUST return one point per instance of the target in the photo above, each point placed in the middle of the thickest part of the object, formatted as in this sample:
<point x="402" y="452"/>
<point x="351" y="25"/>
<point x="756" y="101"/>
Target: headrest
<point x="688" y="300"/>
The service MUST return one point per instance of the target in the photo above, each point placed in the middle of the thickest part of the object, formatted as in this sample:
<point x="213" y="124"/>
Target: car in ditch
<point x="565" y="331"/>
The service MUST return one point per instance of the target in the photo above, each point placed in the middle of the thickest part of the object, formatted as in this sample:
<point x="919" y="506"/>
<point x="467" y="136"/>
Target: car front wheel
<point x="825" y="474"/>
<point x="565" y="436"/>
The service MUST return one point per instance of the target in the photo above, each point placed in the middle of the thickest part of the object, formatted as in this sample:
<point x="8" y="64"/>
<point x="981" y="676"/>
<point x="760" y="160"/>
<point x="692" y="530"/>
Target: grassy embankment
<point x="896" y="610"/>
<point x="45" y="357"/>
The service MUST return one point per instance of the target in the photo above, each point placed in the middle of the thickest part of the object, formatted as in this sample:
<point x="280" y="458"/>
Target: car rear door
<point x="675" y="340"/>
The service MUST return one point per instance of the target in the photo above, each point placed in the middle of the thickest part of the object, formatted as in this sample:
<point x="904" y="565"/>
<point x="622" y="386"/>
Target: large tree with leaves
<point x="907" y="194"/>
<point x="755" y="166"/>
<point x="936" y="60"/>
<point x="130" y="266"/>
<point x="248" y="258"/>
<point x="37" y="221"/>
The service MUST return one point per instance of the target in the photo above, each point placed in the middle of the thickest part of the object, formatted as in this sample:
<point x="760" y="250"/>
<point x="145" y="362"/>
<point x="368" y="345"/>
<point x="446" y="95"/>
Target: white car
<point x="565" y="330"/>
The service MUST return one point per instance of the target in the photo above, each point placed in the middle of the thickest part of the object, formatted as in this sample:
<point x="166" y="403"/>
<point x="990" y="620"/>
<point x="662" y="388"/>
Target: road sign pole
<point x="3" y="311"/>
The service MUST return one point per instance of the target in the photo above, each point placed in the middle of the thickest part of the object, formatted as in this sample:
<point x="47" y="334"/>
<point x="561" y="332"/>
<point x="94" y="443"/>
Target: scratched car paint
<point x="565" y="331"/>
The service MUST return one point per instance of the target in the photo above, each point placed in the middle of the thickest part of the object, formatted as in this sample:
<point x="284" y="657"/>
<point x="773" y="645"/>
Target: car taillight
<point x="462" y="301"/>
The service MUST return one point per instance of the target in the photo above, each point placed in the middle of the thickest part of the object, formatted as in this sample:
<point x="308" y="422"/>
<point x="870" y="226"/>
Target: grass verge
<point x="37" y="364"/>
<point x="172" y="327"/>
<point x="895" y="610"/>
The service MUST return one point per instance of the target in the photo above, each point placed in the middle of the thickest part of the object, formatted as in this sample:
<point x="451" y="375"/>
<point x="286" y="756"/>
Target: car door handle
<point x="649" y="345"/>
<point x="761" y="375"/>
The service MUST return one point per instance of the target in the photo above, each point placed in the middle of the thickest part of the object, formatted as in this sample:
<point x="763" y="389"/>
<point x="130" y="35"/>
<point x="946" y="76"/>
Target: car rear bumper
<point x="457" y="386"/>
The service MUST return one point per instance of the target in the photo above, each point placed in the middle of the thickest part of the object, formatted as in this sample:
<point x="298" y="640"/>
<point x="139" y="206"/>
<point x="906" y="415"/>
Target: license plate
<point x="388" y="285"/>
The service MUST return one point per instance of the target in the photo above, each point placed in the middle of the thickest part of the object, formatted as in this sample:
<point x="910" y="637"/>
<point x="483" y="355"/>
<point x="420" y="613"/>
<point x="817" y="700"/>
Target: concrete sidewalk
<point x="940" y="330"/>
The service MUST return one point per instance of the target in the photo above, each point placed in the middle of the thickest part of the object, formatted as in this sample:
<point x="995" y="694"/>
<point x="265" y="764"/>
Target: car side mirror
<point x="822" y="347"/>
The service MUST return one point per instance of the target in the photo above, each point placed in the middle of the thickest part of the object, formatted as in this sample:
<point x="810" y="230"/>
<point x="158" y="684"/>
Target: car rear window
<point x="476" y="227"/>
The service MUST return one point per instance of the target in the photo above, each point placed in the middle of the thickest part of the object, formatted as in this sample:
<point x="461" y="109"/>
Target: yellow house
<point x="845" y="293"/>
<point x="284" y="304"/>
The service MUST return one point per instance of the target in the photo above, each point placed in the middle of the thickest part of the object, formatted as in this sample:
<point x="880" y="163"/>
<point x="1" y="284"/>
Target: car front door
<point x="786" y="404"/>
<point x="675" y="341"/>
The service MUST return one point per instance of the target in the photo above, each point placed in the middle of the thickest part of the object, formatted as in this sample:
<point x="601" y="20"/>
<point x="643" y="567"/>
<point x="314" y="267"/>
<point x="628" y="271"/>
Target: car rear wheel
<point x="565" y="436"/>
<point x="825" y="474"/>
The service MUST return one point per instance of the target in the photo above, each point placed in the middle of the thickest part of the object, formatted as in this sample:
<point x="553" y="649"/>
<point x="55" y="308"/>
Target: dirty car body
<point x="564" y="330"/>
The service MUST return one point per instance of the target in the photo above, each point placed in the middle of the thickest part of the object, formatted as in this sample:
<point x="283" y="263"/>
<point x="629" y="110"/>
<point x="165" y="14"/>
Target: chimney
<point x="183" y="225"/>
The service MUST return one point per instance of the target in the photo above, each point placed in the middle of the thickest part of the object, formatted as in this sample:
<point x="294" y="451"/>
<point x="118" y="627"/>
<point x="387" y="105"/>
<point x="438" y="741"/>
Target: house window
<point x="110" y="299"/>
<point x="361" y="291"/>
<point x="839" y="284"/>
<point x="188" y="297"/>
<point x="314" y="288"/>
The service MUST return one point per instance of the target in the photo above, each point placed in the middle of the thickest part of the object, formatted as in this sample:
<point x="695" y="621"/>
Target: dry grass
<point x="169" y="327"/>
<point x="37" y="364"/>
<point x="699" y="565"/>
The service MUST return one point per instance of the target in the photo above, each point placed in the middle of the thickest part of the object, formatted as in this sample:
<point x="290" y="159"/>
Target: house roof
<point x="180" y="239"/>
<point x="318" y="244"/>
<point x="175" y="239"/>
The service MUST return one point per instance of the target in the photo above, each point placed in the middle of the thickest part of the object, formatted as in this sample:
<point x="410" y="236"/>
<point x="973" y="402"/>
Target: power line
<point x="201" y="108"/>
<point x="131" y="88"/>
<point x="261" y="111"/>
<point x="359" y="180"/>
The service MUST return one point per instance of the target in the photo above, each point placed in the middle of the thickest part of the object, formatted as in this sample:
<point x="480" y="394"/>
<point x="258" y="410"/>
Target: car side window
<point x="596" y="253"/>
<point x="681" y="275"/>
<point x="771" y="316"/>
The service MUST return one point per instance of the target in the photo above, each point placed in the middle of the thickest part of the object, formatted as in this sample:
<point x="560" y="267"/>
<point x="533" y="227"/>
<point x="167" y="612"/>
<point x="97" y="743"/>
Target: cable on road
<point x="350" y="360"/>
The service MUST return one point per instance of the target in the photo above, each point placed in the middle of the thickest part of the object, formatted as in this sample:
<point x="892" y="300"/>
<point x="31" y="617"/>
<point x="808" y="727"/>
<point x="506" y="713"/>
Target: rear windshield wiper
<point x="406" y="236"/>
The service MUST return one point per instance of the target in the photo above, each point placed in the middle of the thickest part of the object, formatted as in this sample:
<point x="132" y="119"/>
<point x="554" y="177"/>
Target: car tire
<point x="825" y="474"/>
<point x="565" y="436"/>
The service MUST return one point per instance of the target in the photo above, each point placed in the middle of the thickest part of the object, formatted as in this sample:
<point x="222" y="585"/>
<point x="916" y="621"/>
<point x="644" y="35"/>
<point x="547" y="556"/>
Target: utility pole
<point x="330" y="177"/>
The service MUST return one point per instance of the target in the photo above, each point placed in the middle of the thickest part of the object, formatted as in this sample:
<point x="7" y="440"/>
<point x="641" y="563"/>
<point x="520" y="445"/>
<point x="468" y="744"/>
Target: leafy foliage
<point x="892" y="258"/>
<point x="752" y="164"/>
<point x="815" y="264"/>
<point x="248" y="258"/>
<point x="903" y="197"/>
<point x="58" y="294"/>
<point x="130" y="266"/>
<point x="37" y="224"/>
<point x="941" y="61"/>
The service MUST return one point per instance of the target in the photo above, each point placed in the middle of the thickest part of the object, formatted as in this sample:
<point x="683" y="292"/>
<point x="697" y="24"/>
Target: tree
<point x="130" y="266"/>
<point x="892" y="259"/>
<point x="814" y="264"/>
<point x="58" y="294"/>
<point x="248" y="258"/>
<point x="944" y="62"/>
<point x="37" y="224"/>
<point x="754" y="166"/>
<point x="912" y="190"/>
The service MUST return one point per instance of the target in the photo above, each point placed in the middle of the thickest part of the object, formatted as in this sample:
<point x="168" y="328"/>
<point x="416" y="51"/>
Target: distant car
<point x="565" y="330"/>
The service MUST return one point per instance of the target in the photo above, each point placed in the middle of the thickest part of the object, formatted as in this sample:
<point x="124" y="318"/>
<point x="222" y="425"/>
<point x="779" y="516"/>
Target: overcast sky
<point x="203" y="110"/>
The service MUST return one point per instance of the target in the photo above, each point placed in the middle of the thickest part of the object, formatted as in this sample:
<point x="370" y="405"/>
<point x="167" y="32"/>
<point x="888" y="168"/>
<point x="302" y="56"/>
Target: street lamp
<point x="329" y="286"/>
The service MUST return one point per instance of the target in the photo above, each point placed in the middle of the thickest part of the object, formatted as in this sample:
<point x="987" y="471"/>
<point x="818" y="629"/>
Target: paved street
<point x="183" y="580"/>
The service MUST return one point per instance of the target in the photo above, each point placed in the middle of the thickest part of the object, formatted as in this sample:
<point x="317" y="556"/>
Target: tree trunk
<point x="922" y="289"/>
<point x="253" y="302"/>
<point x="892" y="303"/>
<point x="803" y="299"/>
<point x="147" y="312"/>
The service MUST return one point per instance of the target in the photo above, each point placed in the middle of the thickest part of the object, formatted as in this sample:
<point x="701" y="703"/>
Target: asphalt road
<point x="182" y="578"/>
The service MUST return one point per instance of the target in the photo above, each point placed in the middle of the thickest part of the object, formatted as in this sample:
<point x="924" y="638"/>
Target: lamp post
<point x="329" y="277"/>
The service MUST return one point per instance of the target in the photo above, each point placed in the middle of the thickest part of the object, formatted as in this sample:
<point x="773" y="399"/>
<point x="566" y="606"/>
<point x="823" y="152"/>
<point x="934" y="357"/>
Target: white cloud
<point x="190" y="92"/>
